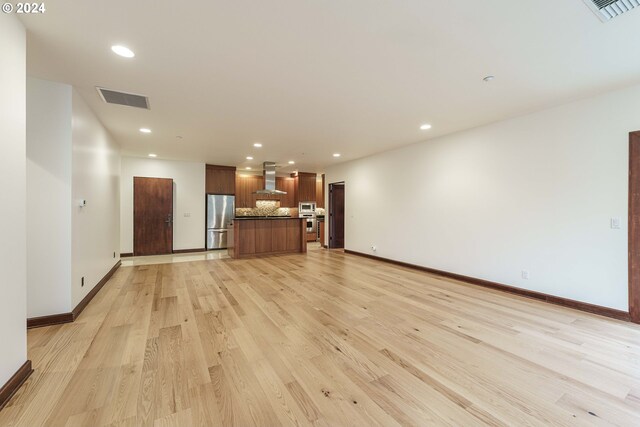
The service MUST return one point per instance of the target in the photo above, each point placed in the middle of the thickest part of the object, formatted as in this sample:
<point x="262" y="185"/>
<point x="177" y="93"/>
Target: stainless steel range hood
<point x="269" y="172"/>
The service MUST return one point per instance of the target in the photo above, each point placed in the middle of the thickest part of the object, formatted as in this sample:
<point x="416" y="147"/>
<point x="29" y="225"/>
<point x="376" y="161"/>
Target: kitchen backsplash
<point x="264" y="208"/>
<point x="271" y="208"/>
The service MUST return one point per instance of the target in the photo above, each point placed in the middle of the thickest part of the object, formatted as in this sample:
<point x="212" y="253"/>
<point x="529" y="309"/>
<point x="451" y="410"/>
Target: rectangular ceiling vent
<point x="607" y="9"/>
<point x="122" y="98"/>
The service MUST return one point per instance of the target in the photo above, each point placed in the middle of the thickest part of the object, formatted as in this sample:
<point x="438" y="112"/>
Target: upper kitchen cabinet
<point x="221" y="180"/>
<point x="289" y="185"/>
<point x="320" y="192"/>
<point x="246" y="186"/>
<point x="306" y="187"/>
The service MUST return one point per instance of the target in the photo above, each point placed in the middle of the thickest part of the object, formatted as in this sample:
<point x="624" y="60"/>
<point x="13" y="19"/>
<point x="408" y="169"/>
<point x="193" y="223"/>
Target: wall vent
<point x="122" y="98"/>
<point x="608" y="9"/>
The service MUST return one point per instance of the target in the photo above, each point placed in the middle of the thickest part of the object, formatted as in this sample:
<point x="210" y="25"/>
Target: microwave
<point x="307" y="207"/>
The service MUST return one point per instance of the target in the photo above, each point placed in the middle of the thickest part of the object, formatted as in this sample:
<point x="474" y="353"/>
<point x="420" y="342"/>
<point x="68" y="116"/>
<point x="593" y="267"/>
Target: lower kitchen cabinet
<point x="321" y="226"/>
<point x="252" y="237"/>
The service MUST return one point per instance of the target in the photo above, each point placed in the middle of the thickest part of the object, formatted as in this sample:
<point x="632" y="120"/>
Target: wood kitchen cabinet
<point x="321" y="226"/>
<point x="305" y="187"/>
<point x="246" y="186"/>
<point x="320" y="192"/>
<point x="220" y="180"/>
<point x="251" y="237"/>
<point x="289" y="185"/>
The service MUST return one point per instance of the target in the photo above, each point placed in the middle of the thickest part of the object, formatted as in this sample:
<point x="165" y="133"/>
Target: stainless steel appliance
<point x="307" y="207"/>
<point x="318" y="221"/>
<point x="220" y="213"/>
<point x="308" y="210"/>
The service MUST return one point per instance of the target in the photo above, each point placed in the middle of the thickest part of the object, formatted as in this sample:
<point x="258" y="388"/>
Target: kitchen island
<point x="252" y="236"/>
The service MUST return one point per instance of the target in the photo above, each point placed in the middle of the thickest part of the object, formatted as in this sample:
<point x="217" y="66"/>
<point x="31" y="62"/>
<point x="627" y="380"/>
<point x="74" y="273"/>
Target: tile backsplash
<point x="271" y="208"/>
<point x="264" y="208"/>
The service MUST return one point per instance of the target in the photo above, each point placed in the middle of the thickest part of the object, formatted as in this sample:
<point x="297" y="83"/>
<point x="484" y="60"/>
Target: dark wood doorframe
<point x="336" y="215"/>
<point x="634" y="226"/>
<point x="152" y="216"/>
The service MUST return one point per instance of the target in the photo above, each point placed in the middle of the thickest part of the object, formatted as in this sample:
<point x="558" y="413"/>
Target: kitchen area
<point x="257" y="215"/>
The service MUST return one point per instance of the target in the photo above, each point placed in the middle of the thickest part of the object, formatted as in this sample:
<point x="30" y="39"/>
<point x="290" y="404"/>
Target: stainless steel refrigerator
<point x="220" y="213"/>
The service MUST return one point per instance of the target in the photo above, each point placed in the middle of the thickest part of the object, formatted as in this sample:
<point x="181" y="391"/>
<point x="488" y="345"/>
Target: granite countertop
<point x="265" y="217"/>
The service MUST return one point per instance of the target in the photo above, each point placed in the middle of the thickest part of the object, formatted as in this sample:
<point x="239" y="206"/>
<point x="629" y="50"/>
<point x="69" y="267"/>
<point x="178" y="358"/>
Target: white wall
<point x="531" y="193"/>
<point x="13" y="250"/>
<point x="48" y="198"/>
<point x="188" y="198"/>
<point x="96" y="178"/>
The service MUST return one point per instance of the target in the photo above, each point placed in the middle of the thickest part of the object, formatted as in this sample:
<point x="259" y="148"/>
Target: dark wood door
<point x="152" y="216"/>
<point x="634" y="227"/>
<point x="336" y="215"/>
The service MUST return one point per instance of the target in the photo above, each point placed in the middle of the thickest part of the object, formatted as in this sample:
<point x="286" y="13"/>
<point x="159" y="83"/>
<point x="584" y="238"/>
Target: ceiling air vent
<point x="607" y="9"/>
<point x="122" y="98"/>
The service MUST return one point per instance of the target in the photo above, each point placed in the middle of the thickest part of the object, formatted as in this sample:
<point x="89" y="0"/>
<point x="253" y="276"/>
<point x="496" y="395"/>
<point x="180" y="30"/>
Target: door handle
<point x="169" y="220"/>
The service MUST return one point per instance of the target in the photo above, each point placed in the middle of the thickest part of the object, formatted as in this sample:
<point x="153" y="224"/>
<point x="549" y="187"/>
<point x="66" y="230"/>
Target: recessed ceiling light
<point x="249" y="158"/>
<point x="248" y="168"/>
<point x="123" y="51"/>
<point x="488" y="79"/>
<point x="336" y="154"/>
<point x="257" y="145"/>
<point x="153" y="155"/>
<point x="145" y="130"/>
<point x="178" y="137"/>
<point x="425" y="126"/>
<point x="291" y="162"/>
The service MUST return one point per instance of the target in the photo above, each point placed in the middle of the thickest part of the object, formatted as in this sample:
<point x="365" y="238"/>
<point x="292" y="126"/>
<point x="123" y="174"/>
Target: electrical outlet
<point x="374" y="248"/>
<point x="525" y="274"/>
<point x="82" y="281"/>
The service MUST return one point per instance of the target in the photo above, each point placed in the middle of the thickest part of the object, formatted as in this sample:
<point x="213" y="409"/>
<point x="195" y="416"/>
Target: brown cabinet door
<point x="247" y="185"/>
<point x="294" y="235"/>
<point x="255" y="183"/>
<point x="221" y="180"/>
<point x="279" y="235"/>
<point x="263" y="236"/>
<point x="288" y="185"/>
<point x="246" y="237"/>
<point x="152" y="216"/>
<point x="241" y="189"/>
<point x="306" y="187"/>
<point x="320" y="192"/>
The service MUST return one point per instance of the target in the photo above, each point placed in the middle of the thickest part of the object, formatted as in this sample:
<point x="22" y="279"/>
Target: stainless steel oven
<point x="312" y="222"/>
<point x="308" y="210"/>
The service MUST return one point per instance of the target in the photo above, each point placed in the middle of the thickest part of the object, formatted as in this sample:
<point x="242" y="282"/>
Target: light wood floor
<point x="327" y="339"/>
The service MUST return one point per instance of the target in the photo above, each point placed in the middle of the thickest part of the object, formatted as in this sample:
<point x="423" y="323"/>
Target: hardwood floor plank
<point x="324" y="338"/>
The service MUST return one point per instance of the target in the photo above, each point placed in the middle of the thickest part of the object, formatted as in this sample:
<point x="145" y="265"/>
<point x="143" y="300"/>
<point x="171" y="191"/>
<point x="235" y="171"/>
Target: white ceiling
<point x="308" y="78"/>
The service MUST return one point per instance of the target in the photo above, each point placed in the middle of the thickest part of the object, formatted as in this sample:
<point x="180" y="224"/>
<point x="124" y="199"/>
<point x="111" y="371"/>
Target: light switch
<point x="615" y="223"/>
<point x="187" y="214"/>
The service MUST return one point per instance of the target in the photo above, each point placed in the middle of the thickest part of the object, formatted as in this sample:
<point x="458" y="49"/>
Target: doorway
<point x="152" y="216"/>
<point x="336" y="215"/>
<point x="634" y="226"/>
